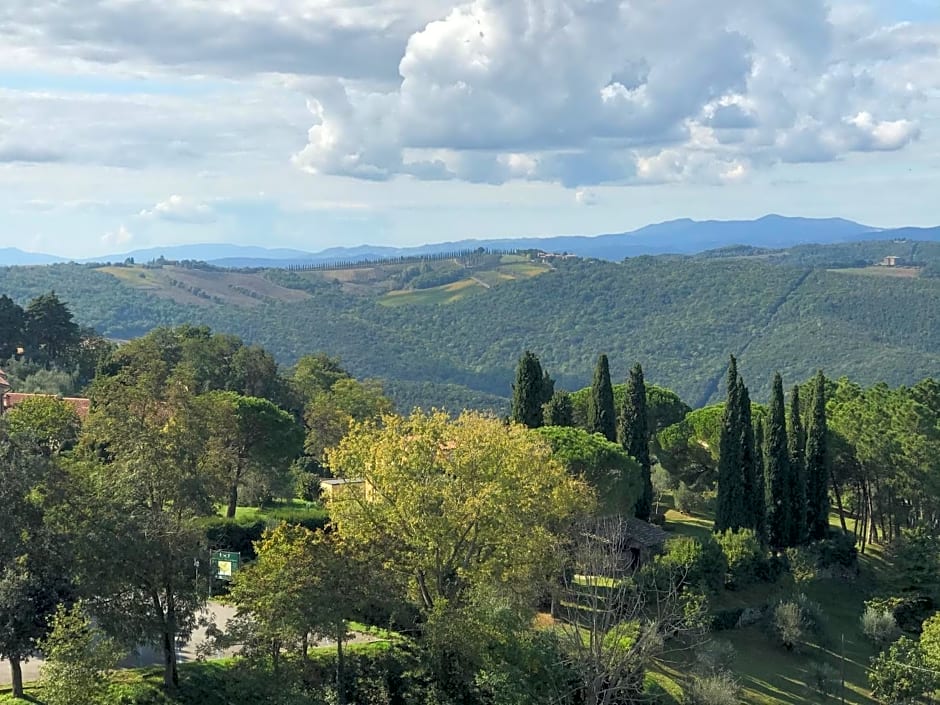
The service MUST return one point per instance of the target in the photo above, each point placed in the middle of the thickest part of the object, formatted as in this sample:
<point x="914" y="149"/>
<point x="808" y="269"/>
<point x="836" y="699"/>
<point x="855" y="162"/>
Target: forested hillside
<point x="791" y="311"/>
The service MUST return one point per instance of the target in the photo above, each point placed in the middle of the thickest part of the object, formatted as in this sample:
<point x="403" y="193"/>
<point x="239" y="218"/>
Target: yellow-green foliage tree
<point x="304" y="583"/>
<point x="455" y="502"/>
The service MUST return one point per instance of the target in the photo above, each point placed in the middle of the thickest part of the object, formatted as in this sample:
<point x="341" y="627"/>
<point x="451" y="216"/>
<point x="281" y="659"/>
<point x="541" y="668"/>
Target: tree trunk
<point x="232" y="500"/>
<point x="340" y="665"/>
<point x="171" y="677"/>
<point x="17" y="672"/>
<point x="837" y="492"/>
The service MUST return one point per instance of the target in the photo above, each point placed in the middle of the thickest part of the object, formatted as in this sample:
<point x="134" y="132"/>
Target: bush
<point x="901" y="674"/>
<point x="234" y="534"/>
<point x="78" y="659"/>
<point x="879" y="625"/>
<point x="699" y="562"/>
<point x="744" y="556"/>
<point x="917" y="560"/>
<point x="687" y="500"/>
<point x="814" y="618"/>
<point x="788" y="624"/>
<point x="722" y="620"/>
<point x="802" y="562"/>
<point x="837" y="551"/>
<point x="718" y="689"/>
<point x="823" y="678"/>
<point x="909" y="611"/>
<point x="717" y="656"/>
<point x="307" y="485"/>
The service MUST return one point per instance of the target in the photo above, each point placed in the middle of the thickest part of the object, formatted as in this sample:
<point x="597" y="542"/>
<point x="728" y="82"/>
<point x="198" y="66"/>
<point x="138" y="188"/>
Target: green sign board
<point x="225" y="564"/>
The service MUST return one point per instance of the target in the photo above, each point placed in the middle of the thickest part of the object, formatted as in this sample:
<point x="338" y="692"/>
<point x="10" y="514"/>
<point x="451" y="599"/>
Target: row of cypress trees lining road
<point x="535" y="403"/>
<point x="774" y="478"/>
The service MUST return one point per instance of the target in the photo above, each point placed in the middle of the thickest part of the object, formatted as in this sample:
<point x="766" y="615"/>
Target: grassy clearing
<point x="299" y="506"/>
<point x="771" y="675"/>
<point x="896" y="272"/>
<point x="203" y="288"/>
<point x="437" y="295"/>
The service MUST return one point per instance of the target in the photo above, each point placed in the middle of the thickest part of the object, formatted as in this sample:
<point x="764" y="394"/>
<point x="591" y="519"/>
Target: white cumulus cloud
<point x="583" y="92"/>
<point x="180" y="209"/>
<point x="119" y="237"/>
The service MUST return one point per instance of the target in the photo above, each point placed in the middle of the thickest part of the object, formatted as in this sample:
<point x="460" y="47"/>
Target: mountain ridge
<point x="679" y="236"/>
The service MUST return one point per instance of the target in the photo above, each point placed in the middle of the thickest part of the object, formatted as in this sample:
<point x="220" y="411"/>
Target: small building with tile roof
<point x="9" y="399"/>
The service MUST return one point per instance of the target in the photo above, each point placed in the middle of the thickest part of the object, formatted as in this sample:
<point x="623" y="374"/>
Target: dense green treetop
<point x="615" y="476"/>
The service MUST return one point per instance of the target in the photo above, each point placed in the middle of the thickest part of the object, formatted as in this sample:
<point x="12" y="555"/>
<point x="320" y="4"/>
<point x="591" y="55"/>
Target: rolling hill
<point x="682" y="236"/>
<point x="455" y="342"/>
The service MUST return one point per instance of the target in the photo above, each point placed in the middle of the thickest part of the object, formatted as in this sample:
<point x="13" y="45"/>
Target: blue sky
<point x="316" y="123"/>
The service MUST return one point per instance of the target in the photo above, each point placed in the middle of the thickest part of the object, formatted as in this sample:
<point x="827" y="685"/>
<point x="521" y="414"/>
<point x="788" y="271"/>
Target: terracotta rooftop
<point x="81" y="405"/>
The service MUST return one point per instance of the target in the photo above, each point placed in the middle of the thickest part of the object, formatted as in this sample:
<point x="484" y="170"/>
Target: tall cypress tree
<point x="796" y="448"/>
<point x="635" y="436"/>
<point x="747" y="456"/>
<point x="817" y="466"/>
<point x="759" y="498"/>
<point x="777" y="470"/>
<point x="602" y="418"/>
<point x="527" y="394"/>
<point x="730" y="510"/>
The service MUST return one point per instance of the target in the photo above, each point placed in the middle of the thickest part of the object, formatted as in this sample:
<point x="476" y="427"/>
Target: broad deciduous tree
<point x="451" y="503"/>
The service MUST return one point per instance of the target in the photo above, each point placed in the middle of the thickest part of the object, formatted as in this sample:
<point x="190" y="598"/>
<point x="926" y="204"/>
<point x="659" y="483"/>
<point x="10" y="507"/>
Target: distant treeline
<point x="404" y="259"/>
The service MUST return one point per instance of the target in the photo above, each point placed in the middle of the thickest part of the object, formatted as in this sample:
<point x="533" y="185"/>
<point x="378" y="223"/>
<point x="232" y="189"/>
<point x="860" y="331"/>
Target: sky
<point x="316" y="123"/>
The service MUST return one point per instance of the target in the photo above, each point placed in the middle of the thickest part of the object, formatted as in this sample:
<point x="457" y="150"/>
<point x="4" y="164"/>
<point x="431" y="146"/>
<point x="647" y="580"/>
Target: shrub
<point x="823" y="678"/>
<point x="78" y="660"/>
<point x="788" y="624"/>
<point x="234" y="534"/>
<point x="917" y="559"/>
<point x="744" y="555"/>
<point x="814" y="618"/>
<point x="930" y="641"/>
<point x="307" y="485"/>
<point x="901" y="674"/>
<point x="718" y="689"/>
<point x="723" y="620"/>
<point x="699" y="562"/>
<point x="879" y="625"/>
<point x="802" y="563"/>
<point x="909" y="611"/>
<point x="687" y="500"/>
<point x="717" y="656"/>
<point x="837" y="551"/>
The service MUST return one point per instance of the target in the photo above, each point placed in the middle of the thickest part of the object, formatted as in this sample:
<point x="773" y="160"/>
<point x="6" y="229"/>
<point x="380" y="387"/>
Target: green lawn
<point x="281" y="506"/>
<point x="769" y="674"/>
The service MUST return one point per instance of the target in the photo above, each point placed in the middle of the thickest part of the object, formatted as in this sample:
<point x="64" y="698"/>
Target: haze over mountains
<point x="682" y="236"/>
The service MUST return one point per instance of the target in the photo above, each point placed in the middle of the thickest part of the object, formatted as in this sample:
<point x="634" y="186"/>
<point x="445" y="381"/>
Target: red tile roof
<point x="81" y="405"/>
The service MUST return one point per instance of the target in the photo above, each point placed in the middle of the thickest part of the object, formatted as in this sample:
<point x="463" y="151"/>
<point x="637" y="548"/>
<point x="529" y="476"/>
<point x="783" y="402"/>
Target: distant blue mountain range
<point x="676" y="236"/>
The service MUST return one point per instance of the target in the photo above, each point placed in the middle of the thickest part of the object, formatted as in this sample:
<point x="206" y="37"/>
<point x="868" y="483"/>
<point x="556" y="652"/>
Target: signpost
<point x="223" y="565"/>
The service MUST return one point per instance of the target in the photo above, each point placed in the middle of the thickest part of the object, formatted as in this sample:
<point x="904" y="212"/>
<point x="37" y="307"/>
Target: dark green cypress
<point x="559" y="411"/>
<point x="730" y="510"/>
<point x="747" y="456"/>
<point x="796" y="448"/>
<point x="635" y="436"/>
<point x="547" y="389"/>
<point x="527" y="395"/>
<point x="759" y="498"/>
<point x="602" y="418"/>
<point x="777" y="470"/>
<point x="817" y="466"/>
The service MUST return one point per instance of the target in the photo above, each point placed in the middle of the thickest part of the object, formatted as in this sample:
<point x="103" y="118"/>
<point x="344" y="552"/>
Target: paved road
<point x="218" y="613"/>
